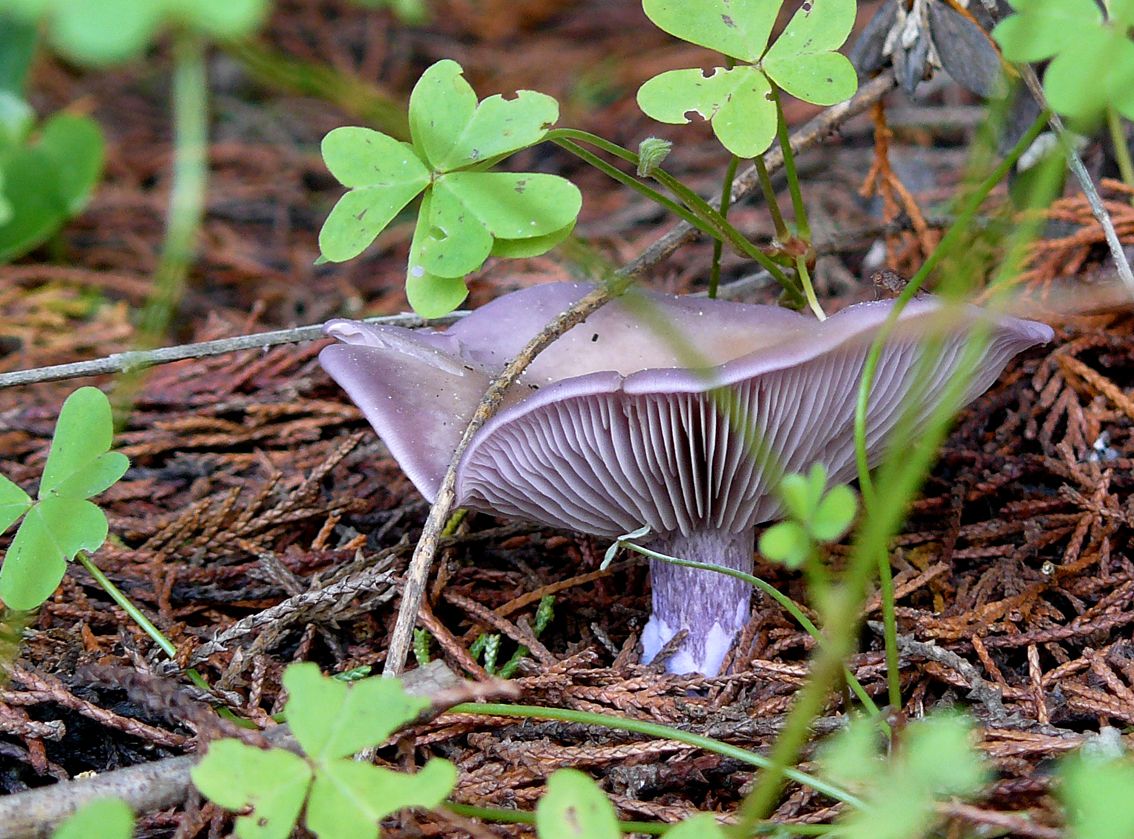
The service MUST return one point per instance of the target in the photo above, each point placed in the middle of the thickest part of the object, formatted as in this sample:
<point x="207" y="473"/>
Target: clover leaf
<point x="273" y="783"/>
<point x="62" y="521"/>
<point x="738" y="100"/>
<point x="349" y="798"/>
<point x="814" y="516"/>
<point x="936" y="760"/>
<point x="1092" y="58"/>
<point x="466" y="214"/>
<point x="1098" y="794"/>
<point x="47" y="181"/>
<point x="331" y="718"/>
<point x="106" y="818"/>
<point x="338" y="796"/>
<point x="101" y="32"/>
<point x="573" y="807"/>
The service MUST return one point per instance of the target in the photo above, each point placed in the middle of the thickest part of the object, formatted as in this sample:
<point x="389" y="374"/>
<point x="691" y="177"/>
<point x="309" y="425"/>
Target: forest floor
<point x="254" y="481"/>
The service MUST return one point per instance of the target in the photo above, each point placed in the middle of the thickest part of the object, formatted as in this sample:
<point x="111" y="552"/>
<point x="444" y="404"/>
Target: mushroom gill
<point x="614" y="427"/>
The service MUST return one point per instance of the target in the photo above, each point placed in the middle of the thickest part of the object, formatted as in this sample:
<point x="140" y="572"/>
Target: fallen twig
<point x="123" y="362"/>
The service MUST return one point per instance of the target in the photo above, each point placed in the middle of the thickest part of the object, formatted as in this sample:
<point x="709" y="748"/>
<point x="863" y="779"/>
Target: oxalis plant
<point x="48" y="169"/>
<point x="467" y="212"/>
<point x="62" y="524"/>
<point x="466" y="215"/>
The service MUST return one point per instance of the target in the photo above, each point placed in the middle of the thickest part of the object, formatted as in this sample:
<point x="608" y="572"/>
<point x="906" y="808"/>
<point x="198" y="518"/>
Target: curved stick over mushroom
<point x="676" y="413"/>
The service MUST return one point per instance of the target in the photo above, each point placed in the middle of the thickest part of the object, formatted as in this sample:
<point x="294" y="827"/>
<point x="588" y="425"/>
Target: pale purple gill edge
<point x="823" y="337"/>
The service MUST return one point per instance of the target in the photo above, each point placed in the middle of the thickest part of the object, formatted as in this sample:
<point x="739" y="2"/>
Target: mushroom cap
<point x="673" y="412"/>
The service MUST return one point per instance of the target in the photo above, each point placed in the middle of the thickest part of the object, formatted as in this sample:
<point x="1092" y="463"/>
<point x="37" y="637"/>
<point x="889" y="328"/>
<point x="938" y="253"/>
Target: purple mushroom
<point x="610" y="430"/>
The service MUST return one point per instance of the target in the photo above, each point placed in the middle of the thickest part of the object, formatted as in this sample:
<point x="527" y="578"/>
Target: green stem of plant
<point x="808" y="288"/>
<point x="802" y="226"/>
<point x="770" y="199"/>
<point x="952" y="238"/>
<point x="634" y="183"/>
<point x="156" y="635"/>
<point x="789" y="606"/>
<point x="697" y="211"/>
<point x="650" y="729"/>
<point x="137" y="615"/>
<point x="718" y="245"/>
<point x="187" y="196"/>
<point x="1121" y="150"/>
<point x="890" y="631"/>
<point x="901" y="477"/>
<point x="503" y="816"/>
<point x="737" y="240"/>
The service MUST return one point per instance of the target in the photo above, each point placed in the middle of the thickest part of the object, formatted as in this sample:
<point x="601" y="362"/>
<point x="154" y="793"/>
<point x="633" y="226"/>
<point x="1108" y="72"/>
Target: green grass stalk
<point x="718" y="245"/>
<point x="661" y="732"/>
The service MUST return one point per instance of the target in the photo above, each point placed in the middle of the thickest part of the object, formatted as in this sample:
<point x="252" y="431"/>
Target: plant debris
<point x="262" y="523"/>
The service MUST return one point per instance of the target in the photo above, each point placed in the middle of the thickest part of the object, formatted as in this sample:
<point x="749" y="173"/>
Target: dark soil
<point x="254" y="480"/>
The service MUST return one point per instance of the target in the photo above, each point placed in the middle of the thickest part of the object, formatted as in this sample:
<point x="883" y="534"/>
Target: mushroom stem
<point x="712" y="607"/>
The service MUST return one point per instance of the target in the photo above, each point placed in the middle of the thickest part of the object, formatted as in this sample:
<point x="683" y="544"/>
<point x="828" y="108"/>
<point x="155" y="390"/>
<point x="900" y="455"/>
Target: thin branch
<point x="138" y="359"/>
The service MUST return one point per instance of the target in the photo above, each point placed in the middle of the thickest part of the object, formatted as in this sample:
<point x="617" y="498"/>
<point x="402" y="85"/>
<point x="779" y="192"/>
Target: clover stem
<point x="705" y="217"/>
<point x="770" y="200"/>
<point x="952" y="238"/>
<point x="635" y="184"/>
<point x="718" y="245"/>
<point x="808" y="288"/>
<point x="890" y="631"/>
<point x="187" y="195"/>
<point x="661" y="732"/>
<point x="901" y="476"/>
<point x="802" y="227"/>
<point x="1121" y="150"/>
<point x="132" y="611"/>
<point x="734" y="237"/>
<point x="148" y="626"/>
<point x="501" y="815"/>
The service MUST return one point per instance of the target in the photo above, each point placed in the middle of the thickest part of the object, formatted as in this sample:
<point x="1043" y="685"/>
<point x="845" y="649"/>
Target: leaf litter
<point x="262" y="523"/>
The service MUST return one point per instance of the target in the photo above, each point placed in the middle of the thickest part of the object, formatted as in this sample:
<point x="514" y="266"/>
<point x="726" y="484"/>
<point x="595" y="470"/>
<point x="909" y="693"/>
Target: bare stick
<point x="417" y="574"/>
<point x="136" y="360"/>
